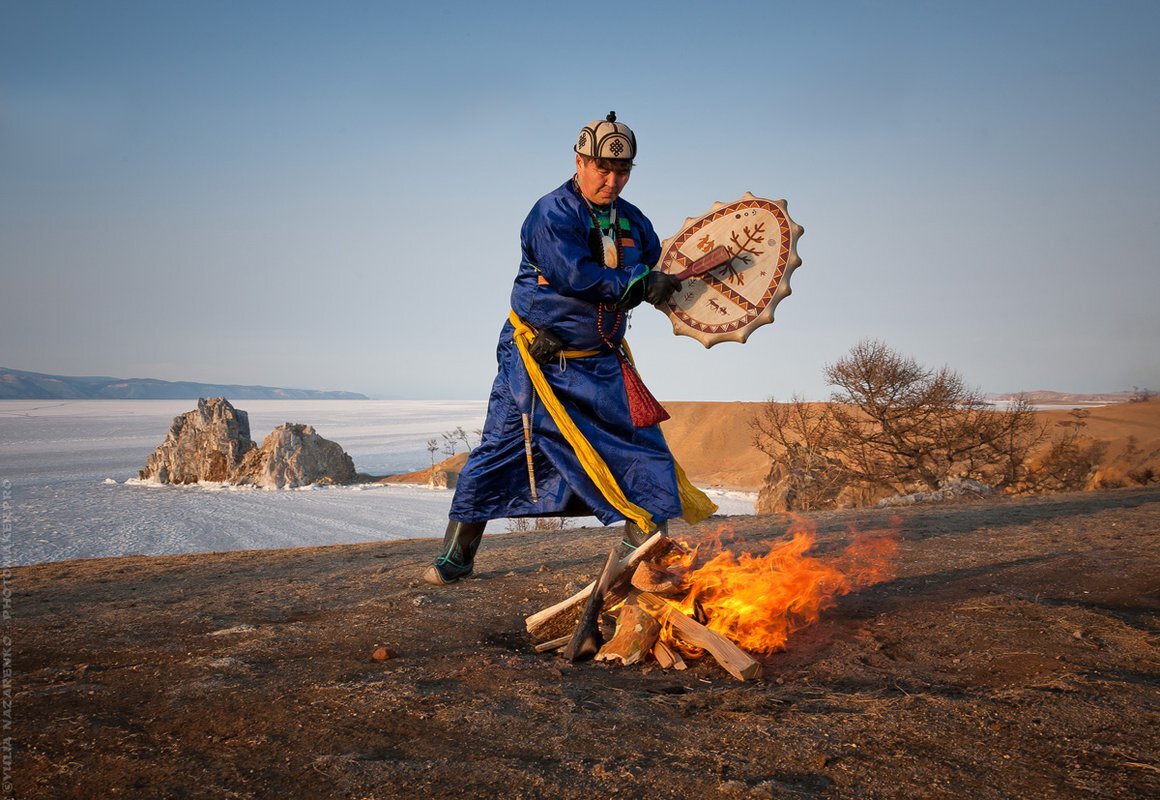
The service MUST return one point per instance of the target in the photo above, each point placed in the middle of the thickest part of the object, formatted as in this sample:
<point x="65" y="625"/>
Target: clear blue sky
<point x="329" y="195"/>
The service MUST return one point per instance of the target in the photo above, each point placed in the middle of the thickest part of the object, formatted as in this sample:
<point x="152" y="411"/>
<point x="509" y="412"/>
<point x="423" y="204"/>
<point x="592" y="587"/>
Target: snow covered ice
<point x="72" y="467"/>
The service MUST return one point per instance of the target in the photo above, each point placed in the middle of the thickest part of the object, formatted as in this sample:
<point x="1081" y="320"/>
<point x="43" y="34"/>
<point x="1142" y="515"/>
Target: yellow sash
<point x="695" y="506"/>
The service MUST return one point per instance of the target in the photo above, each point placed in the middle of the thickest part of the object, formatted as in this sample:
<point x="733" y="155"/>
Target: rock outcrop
<point x="777" y="494"/>
<point x="783" y="488"/>
<point x="787" y="490"/>
<point x="954" y="489"/>
<point x="205" y="444"/>
<point x="294" y="455"/>
<point x="212" y="443"/>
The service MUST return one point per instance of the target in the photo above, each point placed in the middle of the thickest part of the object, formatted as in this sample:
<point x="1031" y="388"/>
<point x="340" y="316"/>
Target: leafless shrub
<point x="1138" y="471"/>
<point x="1141" y="395"/>
<point x="1144" y="475"/>
<point x="1070" y="459"/>
<point x="538" y="524"/>
<point x="801" y="436"/>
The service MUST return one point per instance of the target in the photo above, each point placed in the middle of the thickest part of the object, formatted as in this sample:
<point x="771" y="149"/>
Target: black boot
<point x="459" y="545"/>
<point x="634" y="537"/>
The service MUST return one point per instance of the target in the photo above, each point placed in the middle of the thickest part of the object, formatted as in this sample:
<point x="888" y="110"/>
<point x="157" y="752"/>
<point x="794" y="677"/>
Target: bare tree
<point x="450" y="443"/>
<point x="893" y="424"/>
<point x="461" y="435"/>
<point x="432" y="448"/>
<point x="801" y="438"/>
<point x="900" y="424"/>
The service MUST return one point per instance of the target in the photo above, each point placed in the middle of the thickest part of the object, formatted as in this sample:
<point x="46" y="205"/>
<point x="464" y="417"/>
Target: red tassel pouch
<point x="643" y="407"/>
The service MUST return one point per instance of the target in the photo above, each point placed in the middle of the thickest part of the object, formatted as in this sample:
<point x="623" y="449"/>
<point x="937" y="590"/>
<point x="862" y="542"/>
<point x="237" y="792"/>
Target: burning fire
<point x="757" y="601"/>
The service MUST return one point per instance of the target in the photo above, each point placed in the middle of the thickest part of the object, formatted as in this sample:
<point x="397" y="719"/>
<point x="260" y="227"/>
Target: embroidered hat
<point x="607" y="138"/>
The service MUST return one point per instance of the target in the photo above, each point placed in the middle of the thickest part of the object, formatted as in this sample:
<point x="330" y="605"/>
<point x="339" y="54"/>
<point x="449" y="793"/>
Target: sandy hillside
<point x="714" y="443"/>
<point x="1011" y="652"/>
<point x="1116" y="423"/>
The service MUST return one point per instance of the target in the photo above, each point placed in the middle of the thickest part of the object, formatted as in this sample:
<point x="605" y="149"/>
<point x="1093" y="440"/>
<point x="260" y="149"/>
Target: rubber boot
<point x="458" y="557"/>
<point x="634" y="537"/>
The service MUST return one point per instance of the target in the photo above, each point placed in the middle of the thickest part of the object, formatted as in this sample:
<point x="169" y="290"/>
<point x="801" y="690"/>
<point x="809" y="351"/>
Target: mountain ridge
<point x="1047" y="396"/>
<point x="16" y="384"/>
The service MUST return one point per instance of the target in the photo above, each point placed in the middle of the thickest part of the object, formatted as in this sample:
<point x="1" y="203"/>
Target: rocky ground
<point x="1012" y="655"/>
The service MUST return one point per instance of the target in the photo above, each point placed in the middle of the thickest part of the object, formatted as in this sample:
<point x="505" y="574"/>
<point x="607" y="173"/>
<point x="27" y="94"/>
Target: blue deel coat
<point x="562" y="285"/>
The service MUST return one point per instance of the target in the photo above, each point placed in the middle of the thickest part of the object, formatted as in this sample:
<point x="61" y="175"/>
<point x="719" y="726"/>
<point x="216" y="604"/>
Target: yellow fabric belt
<point x="695" y="505"/>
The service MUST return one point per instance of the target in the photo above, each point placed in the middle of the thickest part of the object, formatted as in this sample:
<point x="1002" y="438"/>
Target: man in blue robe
<point x="560" y="437"/>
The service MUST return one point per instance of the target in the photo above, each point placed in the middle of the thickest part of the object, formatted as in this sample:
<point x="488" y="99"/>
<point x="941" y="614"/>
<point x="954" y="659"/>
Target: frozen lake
<point x="64" y="464"/>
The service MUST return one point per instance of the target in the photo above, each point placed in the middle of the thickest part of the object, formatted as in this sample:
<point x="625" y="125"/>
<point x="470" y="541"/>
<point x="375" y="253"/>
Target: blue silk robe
<point x="562" y="285"/>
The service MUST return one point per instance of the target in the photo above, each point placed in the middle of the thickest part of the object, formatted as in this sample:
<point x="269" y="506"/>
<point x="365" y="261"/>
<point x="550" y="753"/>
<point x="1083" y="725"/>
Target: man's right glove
<point x="659" y="287"/>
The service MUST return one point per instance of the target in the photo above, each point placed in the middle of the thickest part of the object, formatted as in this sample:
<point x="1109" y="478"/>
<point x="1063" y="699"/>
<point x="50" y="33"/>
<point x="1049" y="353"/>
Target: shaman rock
<point x="205" y="444"/>
<point x="442" y="479"/>
<point x="294" y="455"/>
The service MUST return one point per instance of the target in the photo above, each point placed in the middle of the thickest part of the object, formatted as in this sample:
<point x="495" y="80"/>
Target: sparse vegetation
<point x="800" y="439"/>
<point x="1141" y="395"/>
<point x="1069" y="459"/>
<point x="538" y="524"/>
<point x="893" y="426"/>
<point x="455" y="437"/>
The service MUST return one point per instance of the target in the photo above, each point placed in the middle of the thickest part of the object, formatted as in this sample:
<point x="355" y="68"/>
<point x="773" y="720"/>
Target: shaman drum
<point x="753" y="243"/>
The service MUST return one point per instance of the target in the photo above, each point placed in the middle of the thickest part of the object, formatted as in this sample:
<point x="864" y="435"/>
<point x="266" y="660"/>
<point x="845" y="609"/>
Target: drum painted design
<point x="731" y="301"/>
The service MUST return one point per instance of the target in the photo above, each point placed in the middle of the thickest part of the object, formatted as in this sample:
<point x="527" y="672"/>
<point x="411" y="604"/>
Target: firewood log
<point x="649" y="578"/>
<point x="552" y="644"/>
<point x="587" y="638"/>
<point x="560" y="619"/>
<point x="636" y="633"/>
<point x="732" y="658"/>
<point x="667" y="656"/>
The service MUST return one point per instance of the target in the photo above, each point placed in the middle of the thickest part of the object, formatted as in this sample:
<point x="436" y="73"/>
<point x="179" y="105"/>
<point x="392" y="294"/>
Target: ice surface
<point x="70" y="469"/>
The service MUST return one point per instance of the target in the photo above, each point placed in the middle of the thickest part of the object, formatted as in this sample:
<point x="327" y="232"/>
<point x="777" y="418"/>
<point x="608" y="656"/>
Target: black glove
<point x="659" y="287"/>
<point x="545" y="346"/>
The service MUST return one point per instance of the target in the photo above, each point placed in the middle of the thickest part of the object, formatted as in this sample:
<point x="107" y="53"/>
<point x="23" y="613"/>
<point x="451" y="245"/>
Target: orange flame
<point x="757" y="601"/>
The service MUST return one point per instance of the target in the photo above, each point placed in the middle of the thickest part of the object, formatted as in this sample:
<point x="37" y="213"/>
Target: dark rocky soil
<point x="1013" y="655"/>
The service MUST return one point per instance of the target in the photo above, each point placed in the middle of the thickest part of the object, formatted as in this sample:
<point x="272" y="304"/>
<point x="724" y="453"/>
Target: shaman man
<point x="571" y="430"/>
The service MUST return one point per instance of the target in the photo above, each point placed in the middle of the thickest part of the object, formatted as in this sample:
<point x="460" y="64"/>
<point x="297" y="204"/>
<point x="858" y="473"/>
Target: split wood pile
<point x="642" y="595"/>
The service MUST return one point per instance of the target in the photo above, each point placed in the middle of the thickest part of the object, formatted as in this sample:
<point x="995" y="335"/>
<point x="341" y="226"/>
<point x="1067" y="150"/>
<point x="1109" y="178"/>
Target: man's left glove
<point x="659" y="287"/>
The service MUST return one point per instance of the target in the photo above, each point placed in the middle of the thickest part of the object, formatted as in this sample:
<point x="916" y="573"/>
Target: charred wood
<point x="587" y="638"/>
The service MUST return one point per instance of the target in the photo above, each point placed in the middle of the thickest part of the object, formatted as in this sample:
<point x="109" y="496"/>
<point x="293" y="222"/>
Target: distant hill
<point x="1042" y="397"/>
<point x="17" y="384"/>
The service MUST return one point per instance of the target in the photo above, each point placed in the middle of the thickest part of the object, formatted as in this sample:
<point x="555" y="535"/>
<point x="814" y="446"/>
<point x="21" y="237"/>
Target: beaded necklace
<point x="612" y="250"/>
